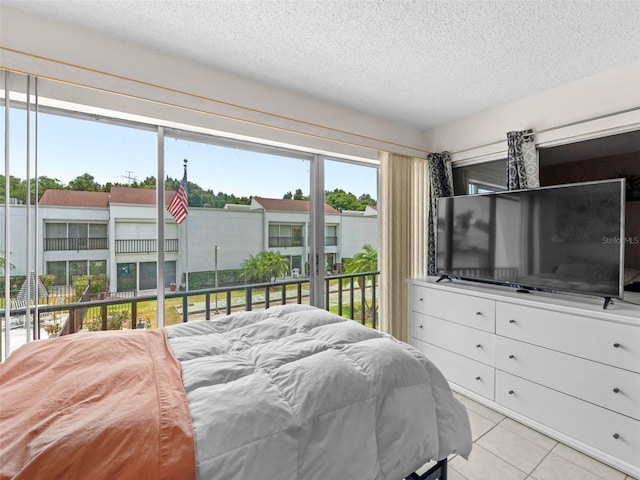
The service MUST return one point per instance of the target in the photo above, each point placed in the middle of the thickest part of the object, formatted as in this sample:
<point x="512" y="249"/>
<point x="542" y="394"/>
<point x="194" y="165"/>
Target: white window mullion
<point x="316" y="216"/>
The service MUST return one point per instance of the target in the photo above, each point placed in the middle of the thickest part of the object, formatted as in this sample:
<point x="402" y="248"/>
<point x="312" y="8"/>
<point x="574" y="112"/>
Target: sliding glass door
<point x="247" y="222"/>
<point x="189" y="226"/>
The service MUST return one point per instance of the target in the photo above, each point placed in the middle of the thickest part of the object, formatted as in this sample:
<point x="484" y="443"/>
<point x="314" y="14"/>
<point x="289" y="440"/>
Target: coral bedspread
<point x="99" y="405"/>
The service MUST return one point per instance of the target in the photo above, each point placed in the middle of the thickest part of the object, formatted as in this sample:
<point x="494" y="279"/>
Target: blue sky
<point x="70" y="147"/>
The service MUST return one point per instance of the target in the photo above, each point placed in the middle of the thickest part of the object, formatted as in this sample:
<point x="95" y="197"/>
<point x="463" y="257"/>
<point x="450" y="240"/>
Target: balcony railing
<point x="286" y="241"/>
<point x="100" y="243"/>
<point x="298" y="241"/>
<point x="149" y="245"/>
<point x="353" y="296"/>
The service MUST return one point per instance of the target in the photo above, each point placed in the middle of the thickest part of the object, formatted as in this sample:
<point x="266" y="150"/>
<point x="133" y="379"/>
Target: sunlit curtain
<point x="404" y="199"/>
<point x="441" y="185"/>
<point x="522" y="161"/>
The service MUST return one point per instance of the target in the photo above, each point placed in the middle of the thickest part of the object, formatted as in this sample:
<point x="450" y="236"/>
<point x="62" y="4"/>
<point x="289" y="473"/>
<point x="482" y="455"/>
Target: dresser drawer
<point x="603" y="385"/>
<point x="468" y="310"/>
<point x="603" y="341"/>
<point x="609" y="432"/>
<point x="467" y="373"/>
<point x="469" y="342"/>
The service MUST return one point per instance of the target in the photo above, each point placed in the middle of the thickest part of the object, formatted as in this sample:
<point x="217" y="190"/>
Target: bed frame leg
<point x="437" y="472"/>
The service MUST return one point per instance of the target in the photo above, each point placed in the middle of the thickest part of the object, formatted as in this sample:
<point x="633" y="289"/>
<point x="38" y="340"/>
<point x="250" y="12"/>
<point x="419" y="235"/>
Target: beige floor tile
<point x="480" y="409"/>
<point x="455" y="475"/>
<point x="479" y="425"/>
<point x="484" y="465"/>
<point x="513" y="448"/>
<point x="529" y="433"/>
<point x="554" y="467"/>
<point x="591" y="465"/>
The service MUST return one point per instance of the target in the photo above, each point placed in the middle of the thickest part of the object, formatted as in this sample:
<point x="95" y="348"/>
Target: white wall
<point x="203" y="97"/>
<point x="600" y="105"/>
<point x="356" y="231"/>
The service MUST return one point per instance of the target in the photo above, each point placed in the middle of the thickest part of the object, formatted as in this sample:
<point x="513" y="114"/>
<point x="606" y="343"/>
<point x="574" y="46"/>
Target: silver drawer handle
<point x="477" y="378"/>
<point x="616" y="345"/>
<point x="512" y="357"/>
<point x="616" y="436"/>
<point x="616" y="390"/>
<point x="479" y="314"/>
<point x="512" y="321"/>
<point x="421" y="299"/>
<point x="421" y="326"/>
<point x="478" y="346"/>
<point x="511" y="392"/>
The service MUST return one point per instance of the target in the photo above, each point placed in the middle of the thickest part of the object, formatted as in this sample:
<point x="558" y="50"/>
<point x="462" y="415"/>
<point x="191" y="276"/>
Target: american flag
<point x="179" y="206"/>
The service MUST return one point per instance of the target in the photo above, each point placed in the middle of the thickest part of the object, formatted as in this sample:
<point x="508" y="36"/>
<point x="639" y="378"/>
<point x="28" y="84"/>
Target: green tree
<point x="85" y="183"/>
<point x="364" y="261"/>
<point x="341" y="200"/>
<point x="252" y="269"/>
<point x="265" y="267"/>
<point x="364" y="200"/>
<point x="299" y="195"/>
<point x="275" y="264"/>
<point x="149" y="182"/>
<point x="288" y="196"/>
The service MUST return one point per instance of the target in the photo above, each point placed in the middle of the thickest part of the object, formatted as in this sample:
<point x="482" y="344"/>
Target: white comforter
<point x="297" y="393"/>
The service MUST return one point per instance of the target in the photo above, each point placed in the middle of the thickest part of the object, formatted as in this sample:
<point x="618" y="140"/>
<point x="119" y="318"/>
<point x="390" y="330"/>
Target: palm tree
<point x="363" y="262"/>
<point x="275" y="265"/>
<point x="265" y="266"/>
<point x="251" y="269"/>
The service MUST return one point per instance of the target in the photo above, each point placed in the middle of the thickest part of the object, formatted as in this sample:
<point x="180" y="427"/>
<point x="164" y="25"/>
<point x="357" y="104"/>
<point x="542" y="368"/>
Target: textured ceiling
<point x="422" y="63"/>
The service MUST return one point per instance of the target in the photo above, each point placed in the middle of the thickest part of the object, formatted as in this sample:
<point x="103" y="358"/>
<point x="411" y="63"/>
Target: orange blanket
<point x="104" y="405"/>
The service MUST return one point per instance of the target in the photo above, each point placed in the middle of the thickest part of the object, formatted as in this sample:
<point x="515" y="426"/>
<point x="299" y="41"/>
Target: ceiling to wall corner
<point x="420" y="63"/>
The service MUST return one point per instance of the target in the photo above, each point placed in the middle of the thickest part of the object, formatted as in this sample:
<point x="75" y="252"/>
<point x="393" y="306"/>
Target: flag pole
<point x="186" y="247"/>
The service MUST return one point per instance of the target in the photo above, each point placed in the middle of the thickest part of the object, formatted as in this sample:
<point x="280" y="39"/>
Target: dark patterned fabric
<point x="522" y="161"/>
<point x="440" y="185"/>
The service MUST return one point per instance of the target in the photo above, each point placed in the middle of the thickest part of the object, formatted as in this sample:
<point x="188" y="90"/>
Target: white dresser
<point x="558" y="363"/>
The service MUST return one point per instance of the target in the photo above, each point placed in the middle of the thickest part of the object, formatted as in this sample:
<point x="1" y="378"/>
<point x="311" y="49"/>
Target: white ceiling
<point x="422" y="63"/>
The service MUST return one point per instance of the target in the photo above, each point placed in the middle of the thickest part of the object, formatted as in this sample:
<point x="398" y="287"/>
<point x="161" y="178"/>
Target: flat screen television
<point x="565" y="238"/>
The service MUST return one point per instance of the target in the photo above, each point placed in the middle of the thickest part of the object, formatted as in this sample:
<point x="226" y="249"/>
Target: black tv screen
<point x="561" y="238"/>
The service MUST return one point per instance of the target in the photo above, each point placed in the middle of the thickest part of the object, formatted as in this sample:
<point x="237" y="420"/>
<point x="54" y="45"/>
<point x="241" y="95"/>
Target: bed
<point x="292" y="392"/>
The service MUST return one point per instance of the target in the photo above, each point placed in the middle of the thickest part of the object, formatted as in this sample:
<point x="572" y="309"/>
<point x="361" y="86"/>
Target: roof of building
<point x="279" y="205"/>
<point x="72" y="198"/>
<point x="138" y="196"/>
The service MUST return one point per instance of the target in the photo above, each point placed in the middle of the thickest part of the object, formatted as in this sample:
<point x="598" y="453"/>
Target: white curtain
<point x="404" y="201"/>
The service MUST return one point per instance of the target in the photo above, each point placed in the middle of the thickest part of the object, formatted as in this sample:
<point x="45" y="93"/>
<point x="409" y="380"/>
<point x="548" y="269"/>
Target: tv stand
<point x="560" y="364"/>
<point x="607" y="301"/>
<point x="523" y="290"/>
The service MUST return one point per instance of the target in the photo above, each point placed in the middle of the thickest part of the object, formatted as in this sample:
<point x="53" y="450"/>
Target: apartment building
<point x="115" y="233"/>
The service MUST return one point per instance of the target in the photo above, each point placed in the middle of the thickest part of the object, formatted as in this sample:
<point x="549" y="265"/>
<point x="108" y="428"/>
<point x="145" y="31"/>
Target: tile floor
<point x="507" y="450"/>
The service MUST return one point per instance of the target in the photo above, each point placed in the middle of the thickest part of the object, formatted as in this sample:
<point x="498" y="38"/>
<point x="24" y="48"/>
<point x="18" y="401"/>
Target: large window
<point x="86" y="205"/>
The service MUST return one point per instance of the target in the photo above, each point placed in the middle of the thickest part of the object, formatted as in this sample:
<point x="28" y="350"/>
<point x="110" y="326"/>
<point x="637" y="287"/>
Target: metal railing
<point x="76" y="243"/>
<point x="286" y="241"/>
<point x="353" y="296"/>
<point x="149" y="245"/>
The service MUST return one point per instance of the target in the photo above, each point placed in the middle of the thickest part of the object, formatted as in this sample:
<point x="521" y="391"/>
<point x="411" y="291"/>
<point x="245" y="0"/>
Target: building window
<point x="148" y="275"/>
<point x="97" y="267"/>
<point x="127" y="276"/>
<point x="285" y="235"/>
<point x="59" y="272"/>
<point x="75" y="236"/>
<point x="331" y="235"/>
